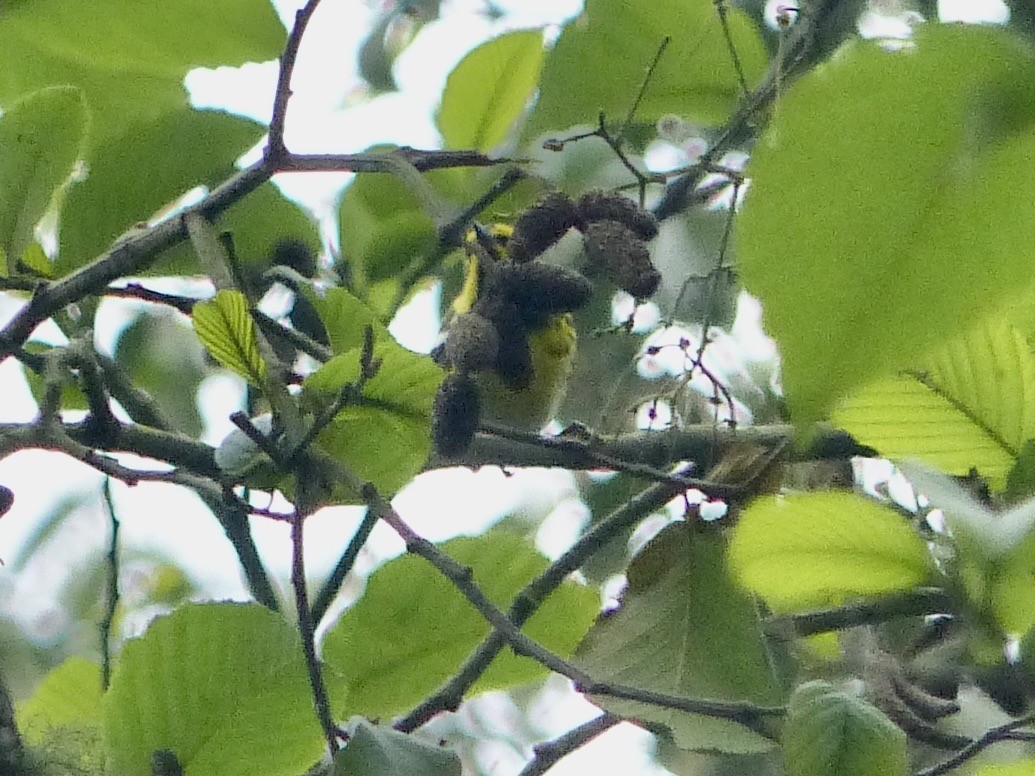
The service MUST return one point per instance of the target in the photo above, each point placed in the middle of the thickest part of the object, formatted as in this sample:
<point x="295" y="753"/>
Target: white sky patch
<point x="974" y="11"/>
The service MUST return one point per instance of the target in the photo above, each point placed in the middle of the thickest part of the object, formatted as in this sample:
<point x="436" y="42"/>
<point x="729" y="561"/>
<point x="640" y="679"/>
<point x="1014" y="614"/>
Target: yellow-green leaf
<point x="808" y="549"/>
<point x="208" y="683"/>
<point x="69" y="695"/>
<point x="226" y="329"/>
<point x="489" y="89"/>
<point x="970" y="404"/>
<point x="887" y="238"/>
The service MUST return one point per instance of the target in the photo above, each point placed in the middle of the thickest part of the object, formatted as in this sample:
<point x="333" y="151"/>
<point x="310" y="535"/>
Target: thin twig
<point x="1004" y="732"/>
<point x="112" y="597"/>
<point x="275" y="145"/>
<point x="345" y="564"/>
<point x="184" y="304"/>
<point x="304" y="506"/>
<point x="720" y="7"/>
<point x="603" y="460"/>
<point x="549" y="754"/>
<point x="535" y="592"/>
<point x="643" y="89"/>
<point x="914" y="603"/>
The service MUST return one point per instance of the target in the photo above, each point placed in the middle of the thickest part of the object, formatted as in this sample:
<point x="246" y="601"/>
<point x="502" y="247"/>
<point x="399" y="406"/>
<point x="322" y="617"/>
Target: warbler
<point x="511" y="341"/>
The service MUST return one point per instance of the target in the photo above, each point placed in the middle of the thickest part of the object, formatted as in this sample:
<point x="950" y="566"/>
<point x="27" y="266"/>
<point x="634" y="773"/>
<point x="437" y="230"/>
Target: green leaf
<point x="179" y="149"/>
<point x="412" y="629"/>
<point x="1020" y="482"/>
<point x="257" y="223"/>
<point x="830" y="733"/>
<point x="384" y="437"/>
<point x="673" y="633"/>
<point x="346" y="319"/>
<point x="34" y="261"/>
<point x="68" y="696"/>
<point x="162" y="357"/>
<point x="131" y="59"/>
<point x="379" y="751"/>
<point x="209" y="683"/>
<point x="601" y="58"/>
<point x="40" y="140"/>
<point x="890" y="231"/>
<point x="130" y="63"/>
<point x="1020" y="768"/>
<point x="838" y="543"/>
<point x="226" y="329"/>
<point x="968" y="405"/>
<point x="489" y="89"/>
<point x="382" y="229"/>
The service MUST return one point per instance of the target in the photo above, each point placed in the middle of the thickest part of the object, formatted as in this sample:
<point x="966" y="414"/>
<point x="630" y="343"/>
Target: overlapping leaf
<point x="489" y="89"/>
<point x="412" y="629"/>
<point x="601" y="59"/>
<point x="678" y="618"/>
<point x="809" y="549"/>
<point x="208" y="683"/>
<point x="384" y="433"/>
<point x="41" y="138"/>
<point x="829" y="733"/>
<point x="377" y="751"/>
<point x="131" y="59"/>
<point x="226" y="329"/>
<point x="970" y="404"/>
<point x="147" y="146"/>
<point x="894" y="242"/>
<point x="68" y="697"/>
<point x="180" y="149"/>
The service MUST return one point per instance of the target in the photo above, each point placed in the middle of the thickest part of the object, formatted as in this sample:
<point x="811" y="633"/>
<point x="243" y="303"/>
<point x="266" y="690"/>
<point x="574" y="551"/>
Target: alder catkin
<point x="514" y="353"/>
<point x="541" y="226"/>
<point x="596" y="206"/>
<point x="472" y="343"/>
<point x="625" y="258"/>
<point x="455" y="414"/>
<point x="541" y="290"/>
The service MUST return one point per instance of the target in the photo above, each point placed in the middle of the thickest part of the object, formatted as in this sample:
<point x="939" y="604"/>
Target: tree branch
<point x="913" y="603"/>
<point x="799" y="53"/>
<point x="549" y="754"/>
<point x="526" y="602"/>
<point x="275" y="145"/>
<point x="111" y="600"/>
<point x="1004" y="732"/>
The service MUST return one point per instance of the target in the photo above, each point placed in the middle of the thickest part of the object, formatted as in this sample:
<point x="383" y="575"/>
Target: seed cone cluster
<point x="518" y="296"/>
